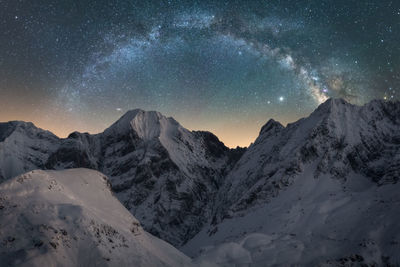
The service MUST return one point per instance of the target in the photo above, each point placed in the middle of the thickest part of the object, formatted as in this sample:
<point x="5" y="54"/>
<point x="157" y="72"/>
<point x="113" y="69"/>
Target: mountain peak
<point x="339" y="110"/>
<point x="271" y="124"/>
<point x="131" y="114"/>
<point x="147" y="124"/>
<point x="334" y="110"/>
<point x="337" y="101"/>
<point x="8" y="128"/>
<point x="333" y="103"/>
<point x="14" y="124"/>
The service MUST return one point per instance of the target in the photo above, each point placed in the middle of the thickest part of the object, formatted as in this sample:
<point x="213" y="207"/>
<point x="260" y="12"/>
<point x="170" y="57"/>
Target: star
<point x="197" y="62"/>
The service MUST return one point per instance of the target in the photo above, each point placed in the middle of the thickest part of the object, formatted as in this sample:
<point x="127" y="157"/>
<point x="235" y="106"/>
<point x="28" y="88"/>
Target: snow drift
<point x="71" y="218"/>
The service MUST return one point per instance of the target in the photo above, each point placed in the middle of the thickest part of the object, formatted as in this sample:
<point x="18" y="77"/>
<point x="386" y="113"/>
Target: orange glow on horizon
<point x="241" y="133"/>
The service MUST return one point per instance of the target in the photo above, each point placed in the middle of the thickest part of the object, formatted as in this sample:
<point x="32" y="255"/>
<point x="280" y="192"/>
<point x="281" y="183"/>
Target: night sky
<point x="223" y="66"/>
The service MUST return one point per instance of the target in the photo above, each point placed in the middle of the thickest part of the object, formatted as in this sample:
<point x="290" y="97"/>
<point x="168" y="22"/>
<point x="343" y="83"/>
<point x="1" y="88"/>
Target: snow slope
<point x="71" y="218"/>
<point x="323" y="190"/>
<point x="312" y="222"/>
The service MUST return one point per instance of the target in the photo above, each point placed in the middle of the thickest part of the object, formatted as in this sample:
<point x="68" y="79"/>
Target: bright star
<point x="281" y="98"/>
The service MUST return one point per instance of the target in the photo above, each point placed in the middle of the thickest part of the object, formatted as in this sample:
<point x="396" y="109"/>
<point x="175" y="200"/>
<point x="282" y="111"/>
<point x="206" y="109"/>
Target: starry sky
<point x="222" y="66"/>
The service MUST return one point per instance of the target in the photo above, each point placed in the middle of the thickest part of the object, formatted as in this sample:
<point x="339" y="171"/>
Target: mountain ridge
<point x="331" y="124"/>
<point x="302" y="194"/>
<point x="181" y="184"/>
<point x="151" y="161"/>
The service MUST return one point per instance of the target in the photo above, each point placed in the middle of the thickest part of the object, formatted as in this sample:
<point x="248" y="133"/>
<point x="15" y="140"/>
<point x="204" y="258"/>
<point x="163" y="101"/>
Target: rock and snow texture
<point x="313" y="222"/>
<point x="323" y="190"/>
<point x="320" y="191"/>
<point x="337" y="139"/>
<point x="71" y="218"/>
<point x="166" y="175"/>
<point x="23" y="147"/>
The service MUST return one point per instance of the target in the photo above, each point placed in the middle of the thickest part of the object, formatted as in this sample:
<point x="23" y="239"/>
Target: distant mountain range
<point x="320" y="191"/>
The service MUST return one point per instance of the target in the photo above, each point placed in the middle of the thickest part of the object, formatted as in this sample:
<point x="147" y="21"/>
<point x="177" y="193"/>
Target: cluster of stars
<point x="212" y="65"/>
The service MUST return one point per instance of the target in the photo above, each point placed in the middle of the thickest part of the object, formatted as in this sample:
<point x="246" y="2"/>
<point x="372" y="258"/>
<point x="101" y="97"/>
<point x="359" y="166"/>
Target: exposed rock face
<point x="76" y="151"/>
<point x="336" y="139"/>
<point x="23" y="147"/>
<point x="321" y="191"/>
<point x="343" y="161"/>
<point x="166" y="175"/>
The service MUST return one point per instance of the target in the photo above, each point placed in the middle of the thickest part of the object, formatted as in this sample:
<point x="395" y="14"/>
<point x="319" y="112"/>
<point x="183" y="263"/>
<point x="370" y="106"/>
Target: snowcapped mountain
<point x="71" y="218"/>
<point x="321" y="191"/>
<point x="23" y="147"/>
<point x="166" y="175"/>
<point x="336" y="139"/>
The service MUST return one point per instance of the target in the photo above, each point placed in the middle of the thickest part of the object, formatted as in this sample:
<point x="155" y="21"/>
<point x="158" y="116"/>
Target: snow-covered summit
<point x="154" y="162"/>
<point x="182" y="184"/>
<point x="166" y="175"/>
<point x="146" y="124"/>
<point x="152" y="126"/>
<point x="302" y="193"/>
<point x="337" y="138"/>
